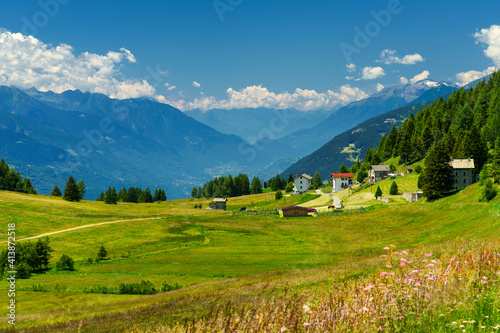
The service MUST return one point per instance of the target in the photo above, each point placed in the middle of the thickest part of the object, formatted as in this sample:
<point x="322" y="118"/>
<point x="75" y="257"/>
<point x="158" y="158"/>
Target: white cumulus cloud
<point x="380" y="87"/>
<point x="350" y="67"/>
<point x="403" y="80"/>
<point x="372" y="73"/>
<point x="258" y="96"/>
<point x="196" y="84"/>
<point x="389" y="57"/>
<point x="422" y="76"/>
<point x="27" y="62"/>
<point x="467" y="77"/>
<point x="490" y="37"/>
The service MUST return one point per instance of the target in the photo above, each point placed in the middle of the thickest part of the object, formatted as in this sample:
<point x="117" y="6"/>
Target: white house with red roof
<point x="341" y="181"/>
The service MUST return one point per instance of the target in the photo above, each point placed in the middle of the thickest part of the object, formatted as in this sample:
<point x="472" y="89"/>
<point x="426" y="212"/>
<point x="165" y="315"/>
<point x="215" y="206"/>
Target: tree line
<point x="11" y="180"/>
<point x="132" y="194"/>
<point x="229" y="186"/>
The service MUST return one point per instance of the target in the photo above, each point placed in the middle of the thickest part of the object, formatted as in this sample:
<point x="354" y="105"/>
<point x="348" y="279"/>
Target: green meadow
<point x="215" y="256"/>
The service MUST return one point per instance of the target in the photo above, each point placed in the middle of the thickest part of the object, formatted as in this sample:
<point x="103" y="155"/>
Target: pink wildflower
<point x="388" y="266"/>
<point x="383" y="274"/>
<point x="392" y="246"/>
<point x="430" y="265"/>
<point x="383" y="256"/>
<point x="427" y="255"/>
<point x="386" y="248"/>
<point x="396" y="253"/>
<point x="484" y="282"/>
<point x="425" y="260"/>
<point x="405" y="253"/>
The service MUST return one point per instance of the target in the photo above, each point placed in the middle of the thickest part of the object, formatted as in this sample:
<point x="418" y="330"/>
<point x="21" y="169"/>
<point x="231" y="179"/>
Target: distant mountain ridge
<point x="134" y="142"/>
<point x="304" y="142"/>
<point x="252" y="124"/>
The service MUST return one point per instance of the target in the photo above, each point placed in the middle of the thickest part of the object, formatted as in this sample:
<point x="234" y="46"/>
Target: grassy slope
<point x="196" y="247"/>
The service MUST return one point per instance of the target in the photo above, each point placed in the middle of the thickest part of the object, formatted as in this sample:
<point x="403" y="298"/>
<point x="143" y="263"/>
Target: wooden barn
<point x="294" y="211"/>
<point x="219" y="204"/>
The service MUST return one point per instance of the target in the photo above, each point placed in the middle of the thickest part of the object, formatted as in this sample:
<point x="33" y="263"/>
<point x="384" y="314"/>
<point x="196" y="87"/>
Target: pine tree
<point x="43" y="250"/>
<point x="81" y="189"/>
<point x="65" y="263"/>
<point x="290" y="179"/>
<point x="378" y="193"/>
<point x="148" y="198"/>
<point x="110" y="197"/>
<point x="100" y="197"/>
<point x="131" y="195"/>
<point x="56" y="192"/>
<point x="102" y="253"/>
<point x="256" y="186"/>
<point x="71" y="192"/>
<point x="343" y="168"/>
<point x="496" y="159"/>
<point x="193" y="192"/>
<point x="437" y="177"/>
<point x="394" y="189"/>
<point x="317" y="181"/>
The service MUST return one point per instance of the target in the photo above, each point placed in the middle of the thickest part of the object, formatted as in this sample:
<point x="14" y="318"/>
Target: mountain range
<point x="138" y="142"/>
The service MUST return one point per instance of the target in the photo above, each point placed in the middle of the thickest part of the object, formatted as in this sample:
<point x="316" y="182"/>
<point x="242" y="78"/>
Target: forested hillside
<point x="467" y="124"/>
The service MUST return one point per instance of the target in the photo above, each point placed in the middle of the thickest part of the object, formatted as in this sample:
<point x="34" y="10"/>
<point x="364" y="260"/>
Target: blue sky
<point x="242" y="53"/>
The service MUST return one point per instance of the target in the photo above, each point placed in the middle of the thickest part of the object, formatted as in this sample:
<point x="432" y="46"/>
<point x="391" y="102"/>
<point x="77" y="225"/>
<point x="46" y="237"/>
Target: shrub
<point x="418" y="169"/>
<point x="65" y="263"/>
<point x="169" y="287"/>
<point x="489" y="191"/>
<point x="142" y="288"/>
<point x="195" y="206"/>
<point x="200" y="206"/>
<point x="278" y="195"/>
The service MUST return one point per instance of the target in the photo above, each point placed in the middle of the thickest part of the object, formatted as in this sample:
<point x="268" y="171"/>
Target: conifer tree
<point x="56" y="192"/>
<point x="437" y="177"/>
<point x="378" y="192"/>
<point x="43" y="250"/>
<point x="290" y="179"/>
<point x="496" y="159"/>
<point x="317" y="181"/>
<point x="71" y="192"/>
<point x="131" y="195"/>
<point x="81" y="189"/>
<point x="102" y="253"/>
<point x="256" y="186"/>
<point x="100" y="197"/>
<point x="343" y="168"/>
<point x="193" y="192"/>
<point x="110" y="197"/>
<point x="148" y="198"/>
<point x="394" y="189"/>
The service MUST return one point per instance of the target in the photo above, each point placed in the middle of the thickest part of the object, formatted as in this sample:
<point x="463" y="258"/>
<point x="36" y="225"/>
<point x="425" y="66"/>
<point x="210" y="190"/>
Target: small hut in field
<point x="294" y="211"/>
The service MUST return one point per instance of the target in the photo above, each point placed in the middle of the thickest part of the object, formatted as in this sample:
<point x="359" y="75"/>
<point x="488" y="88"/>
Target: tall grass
<point x="414" y="292"/>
